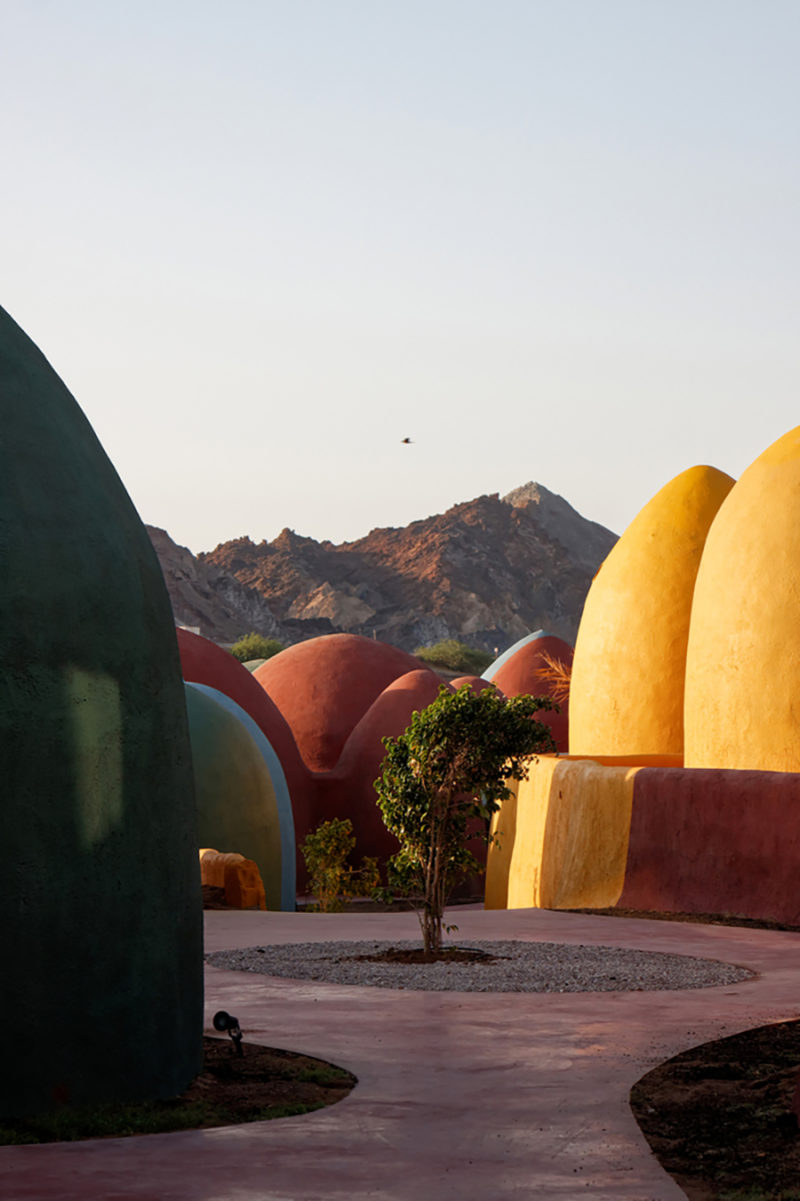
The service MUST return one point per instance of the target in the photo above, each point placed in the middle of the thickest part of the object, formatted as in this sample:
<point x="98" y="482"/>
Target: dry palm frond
<point x="557" y="675"/>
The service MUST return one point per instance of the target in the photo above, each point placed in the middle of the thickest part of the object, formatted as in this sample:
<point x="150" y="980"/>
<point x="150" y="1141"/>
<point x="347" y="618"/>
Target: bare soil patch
<point x="718" y="1117"/>
<point x="703" y="919"/>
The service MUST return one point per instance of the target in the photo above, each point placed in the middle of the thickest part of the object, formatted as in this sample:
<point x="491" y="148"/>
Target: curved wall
<point x="743" y="662"/>
<point x="323" y="687"/>
<point x="349" y="790"/>
<point x="102" y="944"/>
<point x="236" y="805"/>
<point x="501" y="660"/>
<point x="628" y="673"/>
<point x="522" y="673"/>
<point x="288" y="890"/>
<point x="563" y="837"/>
<point x="203" y="662"/>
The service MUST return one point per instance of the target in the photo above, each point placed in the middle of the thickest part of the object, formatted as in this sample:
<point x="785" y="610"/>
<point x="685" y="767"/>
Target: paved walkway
<point x="461" y="1096"/>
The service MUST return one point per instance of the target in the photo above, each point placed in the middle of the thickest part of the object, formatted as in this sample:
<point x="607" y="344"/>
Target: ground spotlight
<point x="226" y="1021"/>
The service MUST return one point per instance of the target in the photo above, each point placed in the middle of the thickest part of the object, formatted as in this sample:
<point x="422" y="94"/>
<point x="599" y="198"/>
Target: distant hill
<point x="487" y="572"/>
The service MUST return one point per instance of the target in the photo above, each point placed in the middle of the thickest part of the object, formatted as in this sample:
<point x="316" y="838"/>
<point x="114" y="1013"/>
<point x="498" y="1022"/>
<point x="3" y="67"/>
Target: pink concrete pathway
<point x="461" y="1096"/>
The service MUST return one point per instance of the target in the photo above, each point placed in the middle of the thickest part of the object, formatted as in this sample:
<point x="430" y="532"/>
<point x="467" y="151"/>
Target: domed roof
<point x="237" y="809"/>
<point x="743" y="658"/>
<point x="99" y="858"/>
<point x="524" y="671"/>
<point x="325" y="685"/>
<point x="626" y="696"/>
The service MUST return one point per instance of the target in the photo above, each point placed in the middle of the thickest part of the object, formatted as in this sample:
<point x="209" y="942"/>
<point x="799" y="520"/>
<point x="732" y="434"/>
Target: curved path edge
<point x="461" y="1096"/>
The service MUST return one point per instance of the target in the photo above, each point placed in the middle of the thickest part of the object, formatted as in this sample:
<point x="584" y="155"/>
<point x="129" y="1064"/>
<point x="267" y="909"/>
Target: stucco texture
<point x="349" y="790"/>
<point x="562" y="838"/>
<point x="743" y="661"/>
<point x="323" y="688"/>
<point x="203" y="662"/>
<point x="283" y="801"/>
<point x="627" y="688"/>
<point x="237" y="809"/>
<point x="715" y="842"/>
<point x="102" y="928"/>
<point x="522" y="673"/>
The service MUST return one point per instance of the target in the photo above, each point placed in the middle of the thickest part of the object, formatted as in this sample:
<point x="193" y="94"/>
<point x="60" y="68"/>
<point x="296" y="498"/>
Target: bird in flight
<point x="406" y="441"/>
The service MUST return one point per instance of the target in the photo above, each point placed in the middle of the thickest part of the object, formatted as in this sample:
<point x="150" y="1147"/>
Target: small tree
<point x="255" y="646"/>
<point x="449" y="766"/>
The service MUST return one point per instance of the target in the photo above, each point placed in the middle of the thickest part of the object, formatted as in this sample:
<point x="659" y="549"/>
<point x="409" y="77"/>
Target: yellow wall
<point x="743" y="662"/>
<point x="626" y="696"/>
<point x="563" y="837"/>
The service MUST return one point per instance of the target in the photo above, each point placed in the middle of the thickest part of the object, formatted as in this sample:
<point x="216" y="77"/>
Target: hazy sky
<point x="264" y="241"/>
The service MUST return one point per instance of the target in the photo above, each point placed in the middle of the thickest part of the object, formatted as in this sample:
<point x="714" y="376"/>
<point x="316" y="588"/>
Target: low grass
<point x="263" y="1084"/>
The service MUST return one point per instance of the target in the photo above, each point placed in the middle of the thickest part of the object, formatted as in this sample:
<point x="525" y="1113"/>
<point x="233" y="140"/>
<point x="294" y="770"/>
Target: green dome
<point x="237" y="807"/>
<point x="102" y="942"/>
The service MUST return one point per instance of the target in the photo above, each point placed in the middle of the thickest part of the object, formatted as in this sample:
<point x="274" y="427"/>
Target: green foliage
<point x="332" y="880"/>
<point x="255" y="646"/>
<point x="450" y="767"/>
<point x="455" y="656"/>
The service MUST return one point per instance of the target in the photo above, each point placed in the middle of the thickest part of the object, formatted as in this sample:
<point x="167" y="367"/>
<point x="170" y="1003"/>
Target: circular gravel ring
<point x="523" y="967"/>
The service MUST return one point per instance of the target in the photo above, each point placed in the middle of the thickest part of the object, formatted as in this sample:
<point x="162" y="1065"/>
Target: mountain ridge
<point x="486" y="571"/>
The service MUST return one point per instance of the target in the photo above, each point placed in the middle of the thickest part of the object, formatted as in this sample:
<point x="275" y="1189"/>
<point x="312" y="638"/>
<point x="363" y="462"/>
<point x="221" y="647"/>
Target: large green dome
<point x="102" y="922"/>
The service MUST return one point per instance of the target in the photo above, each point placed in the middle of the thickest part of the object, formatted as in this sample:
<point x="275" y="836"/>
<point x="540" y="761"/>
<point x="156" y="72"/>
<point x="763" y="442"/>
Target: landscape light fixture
<point x="226" y="1021"/>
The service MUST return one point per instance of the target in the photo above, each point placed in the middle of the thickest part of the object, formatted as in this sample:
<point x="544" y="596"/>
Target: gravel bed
<point x="522" y="967"/>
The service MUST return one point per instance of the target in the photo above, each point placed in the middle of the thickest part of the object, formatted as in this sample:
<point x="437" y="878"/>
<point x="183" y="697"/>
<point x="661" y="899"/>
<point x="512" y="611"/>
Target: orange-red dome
<point x="522" y="674"/>
<point x="323" y="687"/>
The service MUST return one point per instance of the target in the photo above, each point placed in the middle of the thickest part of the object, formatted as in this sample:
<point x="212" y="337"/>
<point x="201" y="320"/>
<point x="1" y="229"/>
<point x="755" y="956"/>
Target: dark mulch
<point x="413" y="955"/>
<point x="705" y="919"/>
<point x="719" y="1118"/>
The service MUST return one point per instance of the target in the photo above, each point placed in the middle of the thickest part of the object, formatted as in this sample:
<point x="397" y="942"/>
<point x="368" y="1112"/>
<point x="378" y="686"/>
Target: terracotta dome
<point x="349" y="790"/>
<point x="476" y="683"/>
<point x="323" y="687"/>
<point x="521" y="673"/>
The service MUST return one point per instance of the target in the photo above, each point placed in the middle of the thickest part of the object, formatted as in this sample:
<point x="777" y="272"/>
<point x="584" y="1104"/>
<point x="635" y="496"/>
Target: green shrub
<point x="255" y="646"/>
<point x="331" y="879"/>
<point x="455" y="656"/>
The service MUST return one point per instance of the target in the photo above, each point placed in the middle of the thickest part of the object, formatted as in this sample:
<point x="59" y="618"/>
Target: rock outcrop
<point x="487" y="572"/>
<point x="208" y="600"/>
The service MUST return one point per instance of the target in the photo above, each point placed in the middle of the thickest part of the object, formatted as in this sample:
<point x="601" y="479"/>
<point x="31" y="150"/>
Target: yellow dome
<point x="626" y="696"/>
<point x="743" y="660"/>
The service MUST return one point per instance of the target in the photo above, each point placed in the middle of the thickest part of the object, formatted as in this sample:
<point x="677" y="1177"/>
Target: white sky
<point x="264" y="240"/>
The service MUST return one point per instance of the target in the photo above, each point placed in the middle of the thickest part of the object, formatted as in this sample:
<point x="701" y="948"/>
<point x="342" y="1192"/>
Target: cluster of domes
<point x="323" y="708"/>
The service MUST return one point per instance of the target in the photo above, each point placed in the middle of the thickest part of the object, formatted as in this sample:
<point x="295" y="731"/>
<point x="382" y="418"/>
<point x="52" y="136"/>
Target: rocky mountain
<point x="486" y="572"/>
<point x="209" y="601"/>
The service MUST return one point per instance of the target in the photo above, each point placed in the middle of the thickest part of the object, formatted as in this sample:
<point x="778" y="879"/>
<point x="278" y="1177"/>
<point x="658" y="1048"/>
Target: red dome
<point x="476" y="683"/>
<point x="349" y="791"/>
<point x="522" y="673"/>
<point x="323" y="688"/>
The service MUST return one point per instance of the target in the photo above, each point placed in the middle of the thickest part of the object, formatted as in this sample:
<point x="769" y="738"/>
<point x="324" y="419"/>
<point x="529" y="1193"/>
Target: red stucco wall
<point x="707" y="841"/>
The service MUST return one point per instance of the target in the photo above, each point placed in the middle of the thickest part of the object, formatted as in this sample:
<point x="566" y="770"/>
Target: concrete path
<point x="461" y="1096"/>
